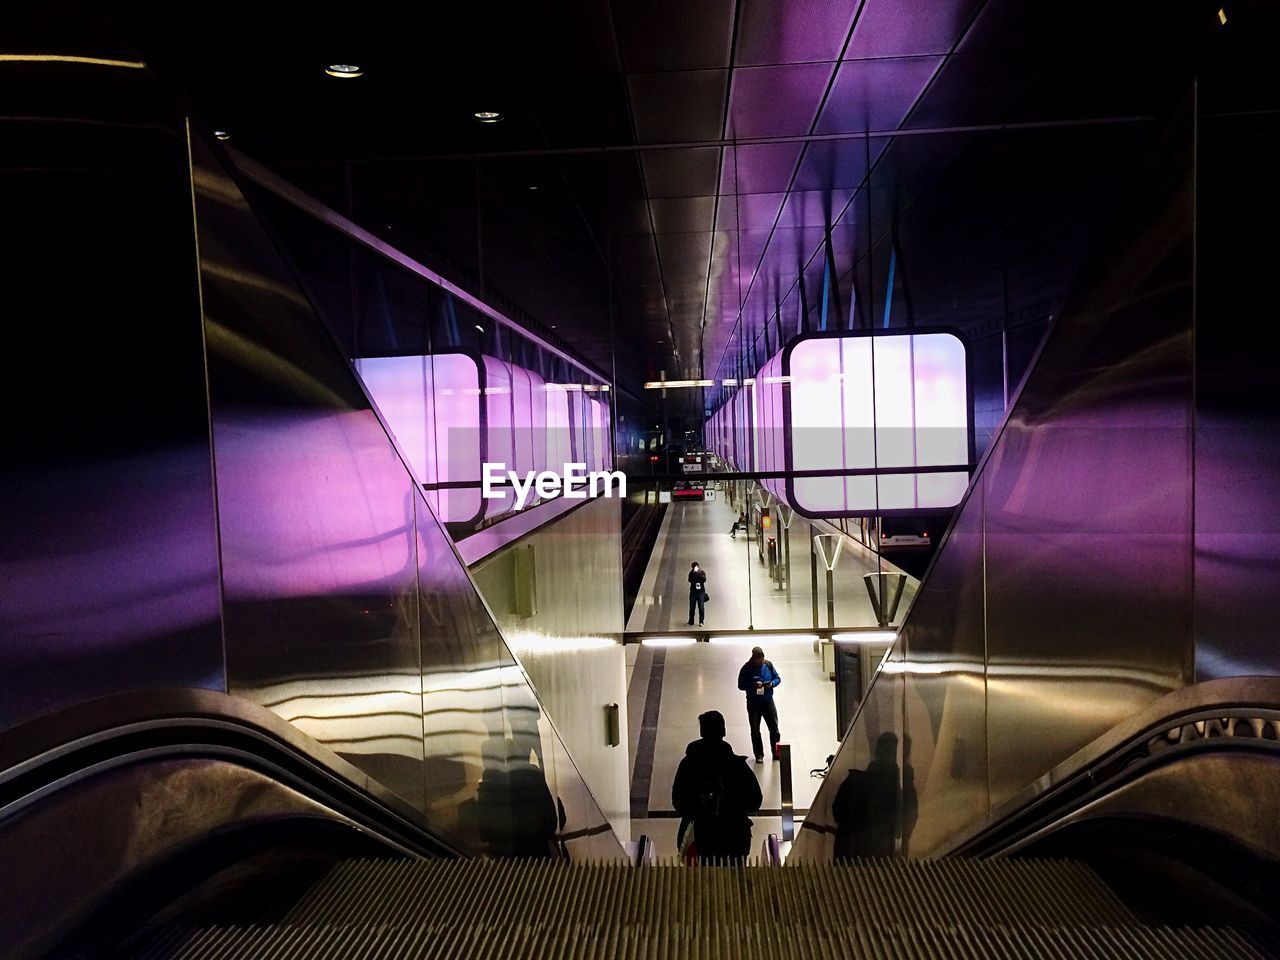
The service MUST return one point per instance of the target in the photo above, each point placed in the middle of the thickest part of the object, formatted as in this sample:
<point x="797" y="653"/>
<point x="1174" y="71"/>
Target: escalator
<point x="956" y="909"/>
<point x="214" y="831"/>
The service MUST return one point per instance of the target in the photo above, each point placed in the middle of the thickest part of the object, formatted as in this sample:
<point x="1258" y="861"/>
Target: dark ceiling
<point x="660" y="190"/>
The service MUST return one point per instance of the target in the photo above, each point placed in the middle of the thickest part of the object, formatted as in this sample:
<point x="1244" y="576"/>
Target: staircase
<point x="523" y="909"/>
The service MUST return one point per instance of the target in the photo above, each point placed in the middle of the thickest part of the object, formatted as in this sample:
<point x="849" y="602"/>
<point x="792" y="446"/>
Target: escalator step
<point x="497" y="941"/>
<point x="981" y="892"/>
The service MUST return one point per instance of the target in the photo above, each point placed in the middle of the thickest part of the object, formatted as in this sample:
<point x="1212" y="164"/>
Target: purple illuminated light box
<point x="869" y="407"/>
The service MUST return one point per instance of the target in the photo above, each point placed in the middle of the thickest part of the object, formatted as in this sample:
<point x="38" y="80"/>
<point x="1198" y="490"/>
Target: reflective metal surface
<point x="347" y="610"/>
<point x="108" y="564"/>
<point x="568" y="639"/>
<point x="1060" y="602"/>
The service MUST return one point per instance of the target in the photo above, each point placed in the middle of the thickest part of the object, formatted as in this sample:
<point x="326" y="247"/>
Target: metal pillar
<point x="813" y="570"/>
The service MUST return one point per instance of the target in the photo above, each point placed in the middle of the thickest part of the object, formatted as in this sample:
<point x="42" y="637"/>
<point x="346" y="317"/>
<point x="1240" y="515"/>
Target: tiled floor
<point x="703" y="677"/>
<point x="742" y="594"/>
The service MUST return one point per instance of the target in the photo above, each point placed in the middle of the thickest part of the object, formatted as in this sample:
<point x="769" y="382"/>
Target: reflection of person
<point x="756" y="679"/>
<point x="714" y="791"/>
<point x="697" y="593"/>
<point x="869" y="804"/>
<point x="515" y="814"/>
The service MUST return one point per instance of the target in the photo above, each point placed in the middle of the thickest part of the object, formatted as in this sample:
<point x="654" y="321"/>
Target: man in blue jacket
<point x="757" y="678"/>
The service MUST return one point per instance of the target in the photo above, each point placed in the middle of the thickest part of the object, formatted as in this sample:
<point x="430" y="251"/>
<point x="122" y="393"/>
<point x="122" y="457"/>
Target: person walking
<point x="756" y="679"/>
<point x="697" y="594"/>
<point x="714" y="791"/>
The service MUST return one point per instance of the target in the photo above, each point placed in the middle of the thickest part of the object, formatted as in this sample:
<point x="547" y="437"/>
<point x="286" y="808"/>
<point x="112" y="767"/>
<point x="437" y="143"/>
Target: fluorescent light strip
<point x="59" y="58"/>
<point x="866" y="636"/>
<point x="755" y="639"/>
<point x="668" y="641"/>
<point x="665" y="384"/>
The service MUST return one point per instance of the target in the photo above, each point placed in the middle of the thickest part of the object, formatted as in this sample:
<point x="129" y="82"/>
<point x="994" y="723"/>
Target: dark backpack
<point x="710" y="795"/>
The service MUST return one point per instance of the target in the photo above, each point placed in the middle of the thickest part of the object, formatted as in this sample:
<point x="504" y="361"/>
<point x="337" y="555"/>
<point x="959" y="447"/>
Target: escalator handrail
<point x="1122" y="752"/>
<point x="57" y="750"/>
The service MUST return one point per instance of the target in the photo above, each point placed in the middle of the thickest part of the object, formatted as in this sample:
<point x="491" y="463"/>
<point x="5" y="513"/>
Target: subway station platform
<point x="743" y="596"/>
<point x="669" y="686"/>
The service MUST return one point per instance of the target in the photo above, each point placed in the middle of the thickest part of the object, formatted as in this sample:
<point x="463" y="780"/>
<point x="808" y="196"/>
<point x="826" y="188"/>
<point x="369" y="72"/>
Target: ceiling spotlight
<point x="222" y="135"/>
<point x="344" y="71"/>
<point x="487" y="116"/>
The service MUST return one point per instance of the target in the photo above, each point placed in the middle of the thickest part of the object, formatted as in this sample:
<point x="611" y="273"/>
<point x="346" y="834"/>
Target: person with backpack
<point x="756" y="679"/>
<point x="714" y="791"/>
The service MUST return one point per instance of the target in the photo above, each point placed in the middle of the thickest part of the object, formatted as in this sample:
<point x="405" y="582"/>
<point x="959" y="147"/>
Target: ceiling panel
<point x="797" y="31"/>
<point x="812" y="208"/>
<point x="691" y="172"/>
<point x="759" y="168"/>
<point x="889" y="28"/>
<point x="776" y="101"/>
<point x="875" y="94"/>
<point x="683" y="214"/>
<point x="680" y="106"/>
<point x="683" y="253"/>
<point x="659" y="35"/>
<point x="828" y="164"/>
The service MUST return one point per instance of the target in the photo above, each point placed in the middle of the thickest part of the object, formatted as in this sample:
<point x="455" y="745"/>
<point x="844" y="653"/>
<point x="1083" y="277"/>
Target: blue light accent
<point x="888" y="293"/>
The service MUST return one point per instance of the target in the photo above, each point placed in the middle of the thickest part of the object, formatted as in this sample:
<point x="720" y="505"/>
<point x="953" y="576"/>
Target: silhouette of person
<point x="697" y="593"/>
<point x="515" y="814"/>
<point x="868" y="806"/>
<point x="714" y="791"/>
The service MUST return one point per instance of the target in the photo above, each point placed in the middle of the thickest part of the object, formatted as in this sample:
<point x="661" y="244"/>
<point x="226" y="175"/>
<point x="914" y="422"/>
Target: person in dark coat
<point x="756" y="679"/>
<point x="714" y="791"/>
<point x="697" y="593"/>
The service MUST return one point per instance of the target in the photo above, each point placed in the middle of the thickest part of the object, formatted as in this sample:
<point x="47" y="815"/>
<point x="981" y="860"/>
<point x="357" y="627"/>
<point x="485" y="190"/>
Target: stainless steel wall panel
<point x="569" y="644"/>
<point x="108" y="562"/>
<point x="1088" y="505"/>
<point x="945" y="747"/>
<point x="1237" y="452"/>
<point x="859" y="810"/>
<point x="1060" y="602"/>
<point x="462" y="688"/>
<point x="316" y="511"/>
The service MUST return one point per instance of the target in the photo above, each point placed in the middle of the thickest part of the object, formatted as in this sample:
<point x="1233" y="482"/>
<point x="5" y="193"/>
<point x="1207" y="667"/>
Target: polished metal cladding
<point x="234" y="515"/>
<point x="944" y="752"/>
<point x="315" y="509"/>
<point x="1060" y="603"/>
<point x="347" y="610"/>
<point x="108" y="556"/>
<point x="568" y="641"/>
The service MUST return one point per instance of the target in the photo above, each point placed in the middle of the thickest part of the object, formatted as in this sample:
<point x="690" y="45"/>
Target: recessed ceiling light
<point x="222" y="134"/>
<point x="344" y="71"/>
<point x="487" y="116"/>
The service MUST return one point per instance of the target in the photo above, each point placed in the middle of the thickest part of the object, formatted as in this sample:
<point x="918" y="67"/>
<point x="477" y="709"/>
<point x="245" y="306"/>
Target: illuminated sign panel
<point x="884" y="413"/>
<point x="884" y="404"/>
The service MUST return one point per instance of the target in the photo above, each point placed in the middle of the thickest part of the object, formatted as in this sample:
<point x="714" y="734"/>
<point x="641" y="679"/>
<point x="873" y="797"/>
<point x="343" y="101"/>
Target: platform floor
<point x="742" y="594"/>
<point x="703" y="677"/>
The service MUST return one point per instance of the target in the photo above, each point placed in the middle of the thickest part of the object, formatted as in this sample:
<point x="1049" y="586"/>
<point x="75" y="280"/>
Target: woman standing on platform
<point x="697" y="593"/>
